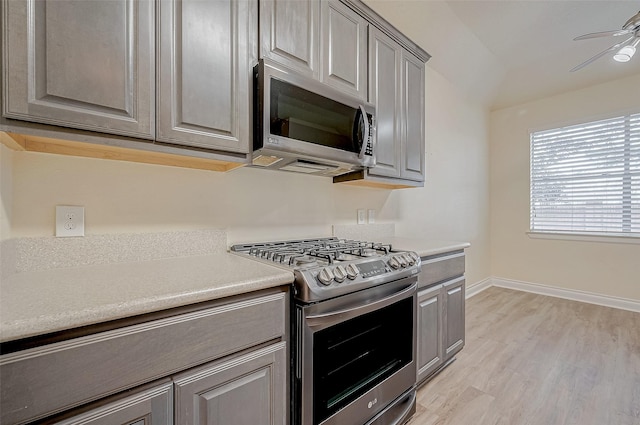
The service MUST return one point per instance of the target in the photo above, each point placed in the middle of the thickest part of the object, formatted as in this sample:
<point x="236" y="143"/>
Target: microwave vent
<point x="266" y="160"/>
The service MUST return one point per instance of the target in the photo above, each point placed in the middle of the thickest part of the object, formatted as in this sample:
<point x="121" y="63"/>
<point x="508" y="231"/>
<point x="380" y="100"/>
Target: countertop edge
<point x="264" y="277"/>
<point x="426" y="248"/>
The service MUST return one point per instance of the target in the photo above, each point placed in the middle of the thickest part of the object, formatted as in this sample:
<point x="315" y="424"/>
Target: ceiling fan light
<point x="625" y="54"/>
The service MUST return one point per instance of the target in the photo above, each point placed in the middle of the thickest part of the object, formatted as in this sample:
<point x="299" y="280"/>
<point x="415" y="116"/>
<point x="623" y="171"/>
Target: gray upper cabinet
<point x="344" y="48"/>
<point x="205" y="58"/>
<point x="385" y="60"/>
<point x="412" y="145"/>
<point x="81" y="64"/>
<point x="397" y="89"/>
<point x="289" y="34"/>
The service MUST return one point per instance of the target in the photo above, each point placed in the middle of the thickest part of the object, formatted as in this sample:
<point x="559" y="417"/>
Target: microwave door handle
<point x="368" y="160"/>
<point x="365" y="142"/>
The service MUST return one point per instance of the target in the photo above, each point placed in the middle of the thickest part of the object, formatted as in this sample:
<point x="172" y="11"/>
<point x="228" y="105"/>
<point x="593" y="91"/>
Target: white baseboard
<point x="553" y="291"/>
<point x="478" y="287"/>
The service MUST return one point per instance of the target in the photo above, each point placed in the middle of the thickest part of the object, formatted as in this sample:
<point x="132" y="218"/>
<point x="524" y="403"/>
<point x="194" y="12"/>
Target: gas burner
<point x="329" y="267"/>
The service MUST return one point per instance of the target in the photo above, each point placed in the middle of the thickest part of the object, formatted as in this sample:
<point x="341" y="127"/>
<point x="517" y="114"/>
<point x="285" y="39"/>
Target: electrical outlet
<point x="361" y="216"/>
<point x="371" y="216"/>
<point x="69" y="221"/>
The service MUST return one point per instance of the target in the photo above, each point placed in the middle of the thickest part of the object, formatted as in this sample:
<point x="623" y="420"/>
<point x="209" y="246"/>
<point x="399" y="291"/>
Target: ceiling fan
<point x="627" y="48"/>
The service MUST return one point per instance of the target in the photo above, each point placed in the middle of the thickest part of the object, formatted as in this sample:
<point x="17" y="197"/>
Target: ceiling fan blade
<point x="613" y="33"/>
<point x="602" y="53"/>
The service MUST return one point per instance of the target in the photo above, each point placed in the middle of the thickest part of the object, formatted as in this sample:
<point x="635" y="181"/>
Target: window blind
<point x="586" y="178"/>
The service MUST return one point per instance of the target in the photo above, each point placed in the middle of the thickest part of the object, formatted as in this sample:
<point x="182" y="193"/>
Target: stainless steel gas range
<point x="353" y="329"/>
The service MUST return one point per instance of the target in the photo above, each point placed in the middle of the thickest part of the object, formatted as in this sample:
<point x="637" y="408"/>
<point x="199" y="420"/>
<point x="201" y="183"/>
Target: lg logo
<point x="371" y="403"/>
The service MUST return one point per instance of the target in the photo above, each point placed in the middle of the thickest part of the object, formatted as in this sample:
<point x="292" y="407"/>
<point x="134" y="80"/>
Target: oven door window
<point x="352" y="357"/>
<point x="299" y="114"/>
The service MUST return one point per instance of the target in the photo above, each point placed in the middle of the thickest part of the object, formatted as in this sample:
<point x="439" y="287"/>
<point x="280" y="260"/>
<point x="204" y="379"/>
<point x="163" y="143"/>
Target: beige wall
<point x="6" y="191"/>
<point x="256" y="204"/>
<point x="611" y="269"/>
<point x="454" y="203"/>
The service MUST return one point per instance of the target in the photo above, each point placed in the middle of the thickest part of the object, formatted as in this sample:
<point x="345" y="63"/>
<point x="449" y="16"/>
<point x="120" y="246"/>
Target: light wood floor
<point x="536" y="360"/>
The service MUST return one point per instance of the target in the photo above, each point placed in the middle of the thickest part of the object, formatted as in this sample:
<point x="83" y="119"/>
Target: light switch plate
<point x="69" y="221"/>
<point x="361" y="216"/>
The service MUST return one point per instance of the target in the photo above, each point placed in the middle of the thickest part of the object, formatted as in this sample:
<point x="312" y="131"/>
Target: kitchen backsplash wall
<point x="258" y="205"/>
<point x="6" y="191"/>
<point x="42" y="253"/>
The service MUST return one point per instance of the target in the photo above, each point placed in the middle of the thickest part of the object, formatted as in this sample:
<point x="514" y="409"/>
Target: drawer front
<point x="438" y="269"/>
<point x="41" y="381"/>
<point x="148" y="407"/>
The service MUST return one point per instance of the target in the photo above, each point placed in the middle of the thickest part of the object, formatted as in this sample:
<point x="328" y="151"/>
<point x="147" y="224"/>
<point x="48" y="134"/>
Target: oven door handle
<point x="343" y="314"/>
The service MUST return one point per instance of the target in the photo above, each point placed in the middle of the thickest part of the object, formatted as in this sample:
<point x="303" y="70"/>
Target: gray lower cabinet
<point x="343" y="48"/>
<point x="148" y="407"/>
<point x="455" y="317"/>
<point x="289" y="34"/>
<point x="205" y="59"/>
<point x="430" y="340"/>
<point x="249" y="389"/>
<point x="81" y="64"/>
<point x="441" y="312"/>
<point x="225" y="350"/>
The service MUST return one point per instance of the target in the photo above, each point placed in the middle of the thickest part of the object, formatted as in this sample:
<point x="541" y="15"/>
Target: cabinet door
<point x="81" y="64"/>
<point x="205" y="59"/>
<point x="454" y="317"/>
<point x="430" y="311"/>
<point x="344" y="49"/>
<point x="384" y="91"/>
<point x="412" y="118"/>
<point x="149" y="407"/>
<point x="250" y="389"/>
<point x="289" y="34"/>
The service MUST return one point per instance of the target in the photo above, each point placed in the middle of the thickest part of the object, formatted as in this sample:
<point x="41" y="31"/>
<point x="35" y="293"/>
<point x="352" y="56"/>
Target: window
<point x="585" y="179"/>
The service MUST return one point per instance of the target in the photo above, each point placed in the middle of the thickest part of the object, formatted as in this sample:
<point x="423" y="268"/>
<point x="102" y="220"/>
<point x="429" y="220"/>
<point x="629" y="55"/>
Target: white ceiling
<point x="507" y="52"/>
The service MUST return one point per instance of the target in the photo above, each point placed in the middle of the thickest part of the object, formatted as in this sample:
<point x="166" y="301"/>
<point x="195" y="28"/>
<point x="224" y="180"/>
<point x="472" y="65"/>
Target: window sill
<point x="603" y="238"/>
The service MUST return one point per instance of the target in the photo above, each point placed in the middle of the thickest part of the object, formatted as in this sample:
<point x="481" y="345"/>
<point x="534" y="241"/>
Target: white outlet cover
<point x="69" y="221"/>
<point x="371" y="216"/>
<point x="361" y="216"/>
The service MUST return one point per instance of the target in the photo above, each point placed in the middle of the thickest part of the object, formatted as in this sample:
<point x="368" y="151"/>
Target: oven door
<point x="355" y="355"/>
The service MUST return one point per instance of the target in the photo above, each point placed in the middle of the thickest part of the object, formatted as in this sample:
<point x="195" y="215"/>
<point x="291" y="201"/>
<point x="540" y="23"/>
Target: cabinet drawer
<point x="44" y="380"/>
<point x="148" y="407"/>
<point x="437" y="269"/>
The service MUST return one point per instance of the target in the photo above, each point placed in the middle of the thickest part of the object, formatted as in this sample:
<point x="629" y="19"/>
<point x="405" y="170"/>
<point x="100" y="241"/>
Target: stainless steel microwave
<point x="303" y="126"/>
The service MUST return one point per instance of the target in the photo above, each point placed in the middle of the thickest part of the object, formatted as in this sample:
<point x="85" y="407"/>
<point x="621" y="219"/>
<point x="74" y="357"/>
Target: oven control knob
<point x="415" y="256"/>
<point x="352" y="271"/>
<point x="394" y="263"/>
<point x="325" y="276"/>
<point x="402" y="261"/>
<point x="340" y="273"/>
<point x="409" y="259"/>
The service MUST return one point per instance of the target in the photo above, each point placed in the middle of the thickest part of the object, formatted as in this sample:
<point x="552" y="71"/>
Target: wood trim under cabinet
<point x="88" y="150"/>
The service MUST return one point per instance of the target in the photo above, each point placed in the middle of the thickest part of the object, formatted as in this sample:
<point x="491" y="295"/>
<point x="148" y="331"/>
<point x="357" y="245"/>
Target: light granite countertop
<point x="425" y="248"/>
<point x="55" y="284"/>
<point x="385" y="233"/>
<point x="38" y="302"/>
